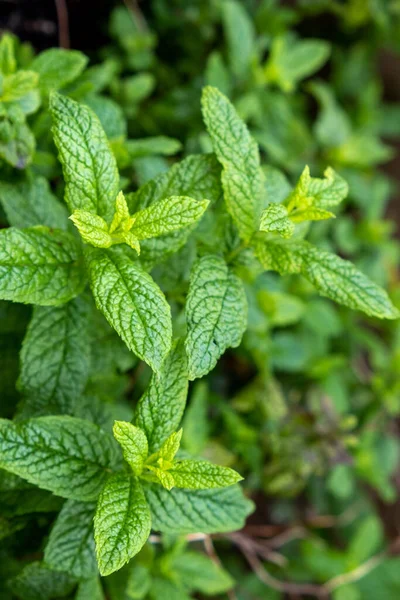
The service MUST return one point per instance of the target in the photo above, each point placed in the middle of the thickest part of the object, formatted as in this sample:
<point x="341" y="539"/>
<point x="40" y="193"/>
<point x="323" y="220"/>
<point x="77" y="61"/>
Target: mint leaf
<point x="93" y="229"/>
<point x="32" y="203"/>
<point x="90" y="589"/>
<point x="171" y="446"/>
<point x="216" y="314"/>
<point x="89" y="167"/>
<point x="70" y="546"/>
<point x="166" y="216"/>
<point x="68" y="456"/>
<point x="134" y="444"/>
<point x="57" y="67"/>
<point x="159" y="144"/>
<point x="332" y="276"/>
<point x="242" y="178"/>
<point x="196" y="177"/>
<point x="200" y="573"/>
<point x="132" y="303"/>
<point x="160" y="409"/>
<point x="187" y="511"/>
<point x="240" y="36"/>
<point x="275" y="219"/>
<point x="16" y="86"/>
<point x="122" y="522"/>
<point x="39" y="266"/>
<point x="202" y="475"/>
<point x="317" y="193"/>
<point x="8" y="63"/>
<point x="55" y="357"/>
<point x="37" y="581"/>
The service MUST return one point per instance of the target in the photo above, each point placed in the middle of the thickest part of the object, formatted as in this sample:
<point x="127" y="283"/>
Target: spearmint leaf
<point x="134" y="444"/>
<point x="200" y="573"/>
<point x="8" y="63"/>
<point x="333" y="126"/>
<point x="171" y="446"/>
<point x="92" y="228"/>
<point x="167" y="215"/>
<point x="317" y="193"/>
<point x="202" y="475"/>
<point x="37" y="581"/>
<point x="216" y="314"/>
<point x="341" y="281"/>
<point x="89" y="167"/>
<point x="70" y="546"/>
<point x="18" y="85"/>
<point x="237" y="151"/>
<point x="196" y="177"/>
<point x="32" y="203"/>
<point x="165" y="588"/>
<point x="240" y="36"/>
<point x="164" y="477"/>
<point x="274" y="219"/>
<point x="67" y="456"/>
<point x="122" y="522"/>
<point x="132" y="303"/>
<point x="292" y="60"/>
<point x="55" y="357"/>
<point x="311" y="214"/>
<point x="187" y="511"/>
<point x="161" y="407"/>
<point x="90" y="589"/>
<point x="153" y="145"/>
<point x="39" y="266"/>
<point x="332" y="276"/>
<point x="57" y="67"/>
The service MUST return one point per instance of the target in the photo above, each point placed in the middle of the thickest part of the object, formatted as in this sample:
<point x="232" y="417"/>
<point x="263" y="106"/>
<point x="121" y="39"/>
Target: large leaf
<point x="55" y="357"/>
<point x="242" y="178"/>
<point x="70" y="457"/>
<point x="132" y="303"/>
<point x="70" y="546"/>
<point x="186" y="511"/>
<point x="122" y="522"/>
<point x="89" y="167"/>
<point x="39" y="266"/>
<point x="161" y="407"/>
<point x="216" y="313"/>
<point x="202" y="475"/>
<point x="37" y="581"/>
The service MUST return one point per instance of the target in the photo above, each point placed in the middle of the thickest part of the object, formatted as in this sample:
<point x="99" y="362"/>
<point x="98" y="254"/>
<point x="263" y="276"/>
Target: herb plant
<point x="147" y="273"/>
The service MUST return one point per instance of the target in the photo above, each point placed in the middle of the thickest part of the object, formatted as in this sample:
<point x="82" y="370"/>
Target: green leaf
<point x="187" y="511"/>
<point x="39" y="266"/>
<point x="160" y="409"/>
<point x="70" y="457"/>
<point x="37" y="581"/>
<point x="55" y="357"/>
<point x="8" y="64"/>
<point x="332" y="276"/>
<point x="317" y="193"/>
<point x="240" y="37"/>
<point x="57" y="67"/>
<point x="159" y="144"/>
<point x="134" y="444"/>
<point x="89" y="167"/>
<point x="196" y="177"/>
<point x="242" y="178"/>
<point x="274" y="219"/>
<point x="166" y="216"/>
<point x="216" y="314"/>
<point x="199" y="573"/>
<point x="90" y="589"/>
<point x="171" y="446"/>
<point x="139" y="581"/>
<point x="132" y="303"/>
<point x="122" y="522"/>
<point x="311" y="214"/>
<point x="195" y="422"/>
<point x="202" y="475"/>
<point x="291" y="60"/>
<point x="110" y="114"/>
<point x="165" y="589"/>
<point x="70" y="546"/>
<point x="92" y="228"/>
<point x="16" y="86"/>
<point x="32" y="203"/>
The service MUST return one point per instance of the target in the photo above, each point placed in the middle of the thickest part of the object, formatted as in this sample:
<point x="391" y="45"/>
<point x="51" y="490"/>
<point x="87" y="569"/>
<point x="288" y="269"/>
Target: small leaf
<point x="132" y="303"/>
<point x="134" y="444"/>
<point x="8" y="63"/>
<point x="242" y="178"/>
<point x="187" y="511"/>
<point x="39" y="266"/>
<point x="311" y="214"/>
<point x="122" y="522"/>
<point x="200" y="573"/>
<point x="171" y="446"/>
<point x="275" y="219"/>
<point x="240" y="36"/>
<point x="202" y="475"/>
<point x="68" y="456"/>
<point x="317" y="193"/>
<point x="216" y="314"/>
<point x="57" y="67"/>
<point x="92" y="228"/>
<point x="160" y="409"/>
<point x="16" y="86"/>
<point x="90" y="589"/>
<point x="70" y="546"/>
<point x="89" y="167"/>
